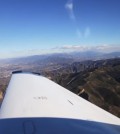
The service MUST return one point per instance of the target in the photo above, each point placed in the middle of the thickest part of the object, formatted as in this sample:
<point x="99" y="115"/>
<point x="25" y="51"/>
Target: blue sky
<point x="29" y="27"/>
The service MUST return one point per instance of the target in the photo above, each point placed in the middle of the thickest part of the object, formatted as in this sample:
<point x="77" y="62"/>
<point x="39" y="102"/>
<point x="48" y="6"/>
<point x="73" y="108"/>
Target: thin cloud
<point x="69" y="7"/>
<point x="70" y="48"/>
<point x="106" y="48"/>
<point x="87" y="32"/>
<point x="79" y="33"/>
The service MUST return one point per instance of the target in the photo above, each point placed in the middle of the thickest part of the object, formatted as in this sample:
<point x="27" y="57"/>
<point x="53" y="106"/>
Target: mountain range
<point x="61" y="57"/>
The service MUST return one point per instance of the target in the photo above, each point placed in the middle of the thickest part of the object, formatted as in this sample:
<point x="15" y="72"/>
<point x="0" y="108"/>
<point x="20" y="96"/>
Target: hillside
<point x="100" y="85"/>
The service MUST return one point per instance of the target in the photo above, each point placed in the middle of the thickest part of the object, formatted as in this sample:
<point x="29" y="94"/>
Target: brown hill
<point x="100" y="86"/>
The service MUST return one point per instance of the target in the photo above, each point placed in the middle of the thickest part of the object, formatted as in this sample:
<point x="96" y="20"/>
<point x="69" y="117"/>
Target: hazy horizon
<point x="66" y="52"/>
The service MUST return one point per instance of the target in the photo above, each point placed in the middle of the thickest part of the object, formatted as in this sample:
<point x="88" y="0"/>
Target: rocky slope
<point x="99" y="83"/>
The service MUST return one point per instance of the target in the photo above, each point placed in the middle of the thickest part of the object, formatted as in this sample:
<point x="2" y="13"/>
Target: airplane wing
<point x="34" y="104"/>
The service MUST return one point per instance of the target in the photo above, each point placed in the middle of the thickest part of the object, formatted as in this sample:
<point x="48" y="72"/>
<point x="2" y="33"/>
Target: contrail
<point x="69" y="7"/>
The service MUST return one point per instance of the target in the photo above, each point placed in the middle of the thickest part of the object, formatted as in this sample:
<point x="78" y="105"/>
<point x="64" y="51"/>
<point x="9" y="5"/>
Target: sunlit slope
<point x="100" y="86"/>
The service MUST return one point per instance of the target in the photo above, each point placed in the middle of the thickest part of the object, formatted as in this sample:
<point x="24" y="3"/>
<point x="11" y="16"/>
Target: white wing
<point x="34" y="97"/>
